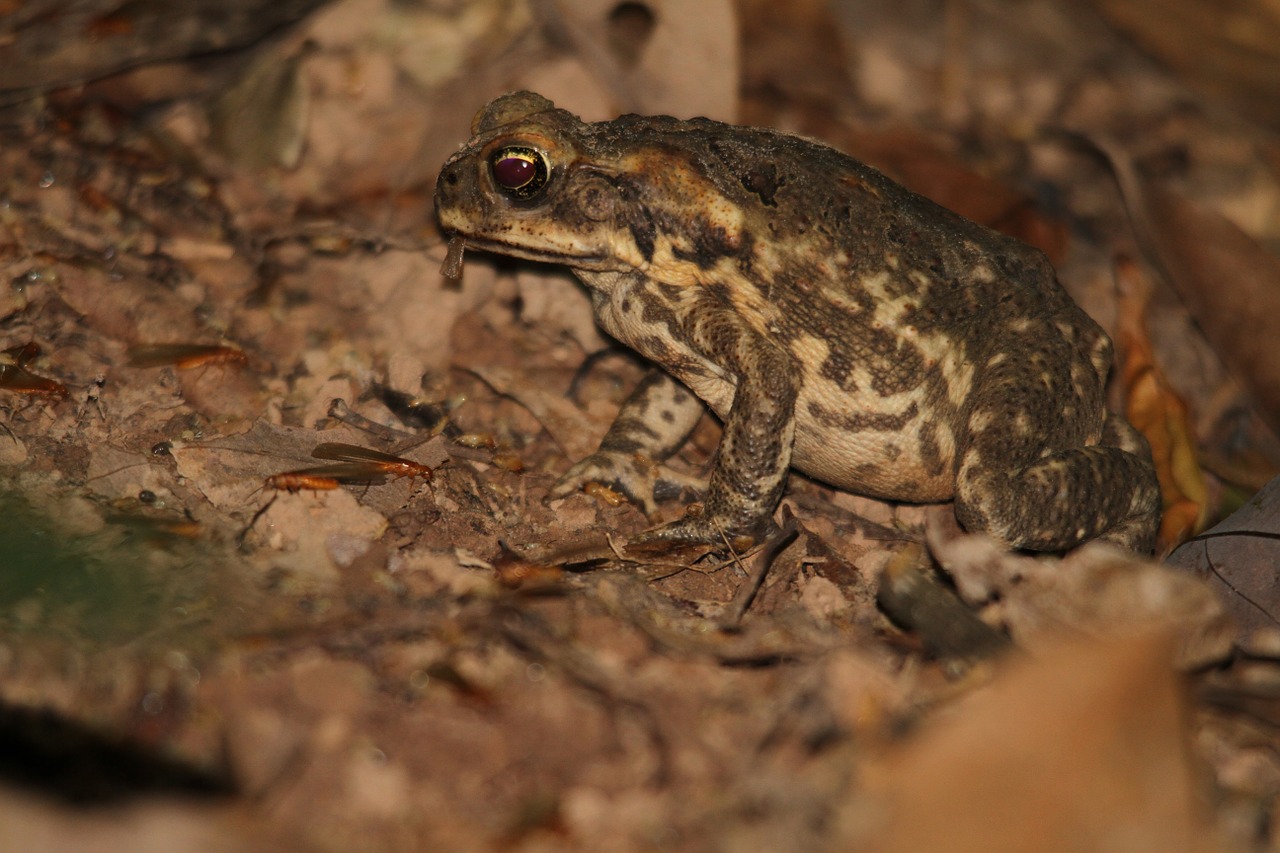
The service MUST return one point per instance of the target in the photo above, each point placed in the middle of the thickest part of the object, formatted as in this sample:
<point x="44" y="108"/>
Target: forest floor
<point x="216" y="230"/>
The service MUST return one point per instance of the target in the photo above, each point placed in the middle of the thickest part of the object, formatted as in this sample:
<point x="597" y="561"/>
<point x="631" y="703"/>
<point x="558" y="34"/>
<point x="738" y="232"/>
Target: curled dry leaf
<point x="1238" y="558"/>
<point x="1228" y="281"/>
<point x="1158" y="412"/>
<point x="261" y="120"/>
<point x="1096" y="590"/>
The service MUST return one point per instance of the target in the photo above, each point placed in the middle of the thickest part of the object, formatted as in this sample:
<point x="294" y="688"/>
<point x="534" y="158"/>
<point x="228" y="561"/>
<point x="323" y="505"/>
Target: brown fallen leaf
<point x="1228" y="51"/>
<point x="1158" y="412"/>
<point x="645" y="63"/>
<point x="1083" y="747"/>
<point x="1096" y="590"/>
<point x="562" y="419"/>
<point x="1229" y="282"/>
<point x="1238" y="558"/>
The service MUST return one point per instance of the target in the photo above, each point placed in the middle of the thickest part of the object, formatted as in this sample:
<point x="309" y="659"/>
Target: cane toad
<point x="834" y="321"/>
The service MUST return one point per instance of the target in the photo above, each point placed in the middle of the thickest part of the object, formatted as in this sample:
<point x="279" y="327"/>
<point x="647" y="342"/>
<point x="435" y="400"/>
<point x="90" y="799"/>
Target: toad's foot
<point x="696" y="528"/>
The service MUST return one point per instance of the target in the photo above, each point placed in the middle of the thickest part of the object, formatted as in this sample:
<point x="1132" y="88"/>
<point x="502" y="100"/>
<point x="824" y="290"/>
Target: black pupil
<point x="514" y="172"/>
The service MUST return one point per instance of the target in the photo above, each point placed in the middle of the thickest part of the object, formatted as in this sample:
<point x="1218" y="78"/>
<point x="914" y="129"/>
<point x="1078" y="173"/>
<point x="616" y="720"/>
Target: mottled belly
<point x="898" y="454"/>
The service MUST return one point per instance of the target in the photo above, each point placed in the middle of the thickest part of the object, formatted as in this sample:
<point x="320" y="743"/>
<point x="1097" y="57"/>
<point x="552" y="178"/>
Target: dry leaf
<point x="1096" y="590"/>
<point x="1158" y="412"/>
<point x="559" y="415"/>
<point x="1228" y="50"/>
<point x="1238" y="558"/>
<point x="646" y="54"/>
<point x="1082" y="747"/>
<point x="261" y="120"/>
<point x="1228" y="281"/>
<point x="52" y="44"/>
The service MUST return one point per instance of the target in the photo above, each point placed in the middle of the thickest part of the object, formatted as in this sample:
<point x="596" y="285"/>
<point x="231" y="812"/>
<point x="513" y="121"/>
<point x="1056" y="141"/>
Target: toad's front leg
<point x="750" y="470"/>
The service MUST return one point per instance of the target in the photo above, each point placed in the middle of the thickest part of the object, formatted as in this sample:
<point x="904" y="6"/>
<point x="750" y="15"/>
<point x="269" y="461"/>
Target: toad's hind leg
<point x="1138" y="532"/>
<point x="654" y="423"/>
<point x="1095" y="481"/>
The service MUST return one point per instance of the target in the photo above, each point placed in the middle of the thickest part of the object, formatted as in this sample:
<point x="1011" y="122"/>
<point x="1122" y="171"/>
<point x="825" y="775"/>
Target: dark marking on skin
<point x="670" y="293"/>
<point x="900" y="284"/>
<point x="763" y="180"/>
<point x="900" y="372"/>
<point x="866" y="472"/>
<point x="930" y="452"/>
<point x="641" y="427"/>
<point x="838" y="368"/>
<point x="855" y="342"/>
<point x="639" y="218"/>
<point x="746" y="267"/>
<point x="708" y="243"/>
<point x="644" y="234"/>
<point x="895" y="365"/>
<point x="719" y="336"/>
<point x="621" y="443"/>
<point x="659" y="349"/>
<point x="720" y="293"/>
<point x="851" y="423"/>
<point x="657" y="312"/>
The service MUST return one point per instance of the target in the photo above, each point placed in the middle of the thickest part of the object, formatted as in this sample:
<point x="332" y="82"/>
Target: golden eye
<point x="519" y="171"/>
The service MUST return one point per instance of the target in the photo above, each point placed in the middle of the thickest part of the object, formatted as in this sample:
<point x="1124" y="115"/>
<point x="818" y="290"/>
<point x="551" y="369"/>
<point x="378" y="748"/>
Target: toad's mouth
<point x="584" y="261"/>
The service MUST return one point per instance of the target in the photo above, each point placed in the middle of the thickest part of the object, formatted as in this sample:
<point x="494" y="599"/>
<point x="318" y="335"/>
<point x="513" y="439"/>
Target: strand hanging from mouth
<point x="452" y="266"/>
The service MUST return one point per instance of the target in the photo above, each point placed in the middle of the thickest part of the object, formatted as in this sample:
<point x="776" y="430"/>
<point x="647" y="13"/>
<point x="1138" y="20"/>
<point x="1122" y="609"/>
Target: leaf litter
<point x="446" y="662"/>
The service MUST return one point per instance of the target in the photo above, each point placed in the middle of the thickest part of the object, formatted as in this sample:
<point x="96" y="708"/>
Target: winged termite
<point x="392" y="466"/>
<point x="327" y="477"/>
<point x="185" y="356"/>
<point x="15" y="377"/>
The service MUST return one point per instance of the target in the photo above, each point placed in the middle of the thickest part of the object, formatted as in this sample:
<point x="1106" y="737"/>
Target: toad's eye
<point x="520" y="172"/>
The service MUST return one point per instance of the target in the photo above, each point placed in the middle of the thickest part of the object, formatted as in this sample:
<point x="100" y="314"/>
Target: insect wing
<point x="184" y="356"/>
<point x="395" y="466"/>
